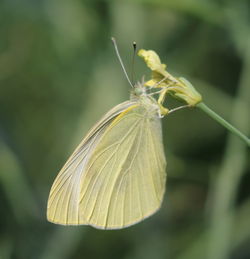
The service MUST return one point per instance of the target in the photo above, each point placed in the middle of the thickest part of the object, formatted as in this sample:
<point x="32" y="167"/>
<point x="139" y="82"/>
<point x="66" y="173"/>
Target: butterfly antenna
<point x="133" y="64"/>
<point x="120" y="60"/>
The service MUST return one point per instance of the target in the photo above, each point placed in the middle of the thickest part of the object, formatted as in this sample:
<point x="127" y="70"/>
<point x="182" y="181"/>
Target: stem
<point x="223" y="122"/>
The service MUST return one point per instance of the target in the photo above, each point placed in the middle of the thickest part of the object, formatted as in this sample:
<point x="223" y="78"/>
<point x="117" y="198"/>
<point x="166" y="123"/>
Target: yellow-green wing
<point x="63" y="203"/>
<point x="116" y="177"/>
<point x="124" y="181"/>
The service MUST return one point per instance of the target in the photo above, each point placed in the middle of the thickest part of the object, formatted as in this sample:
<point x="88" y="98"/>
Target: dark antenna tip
<point x="133" y="62"/>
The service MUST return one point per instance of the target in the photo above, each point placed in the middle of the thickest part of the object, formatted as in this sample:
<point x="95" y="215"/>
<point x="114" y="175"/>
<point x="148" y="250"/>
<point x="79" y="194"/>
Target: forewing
<point x="63" y="203"/>
<point x="125" y="176"/>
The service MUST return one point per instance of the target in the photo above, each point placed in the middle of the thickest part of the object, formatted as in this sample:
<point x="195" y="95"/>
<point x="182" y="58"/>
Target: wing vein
<point x="89" y="167"/>
<point x="120" y="184"/>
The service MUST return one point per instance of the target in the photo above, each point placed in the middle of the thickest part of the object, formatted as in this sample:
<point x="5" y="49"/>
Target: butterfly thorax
<point x="138" y="90"/>
<point x="139" y="95"/>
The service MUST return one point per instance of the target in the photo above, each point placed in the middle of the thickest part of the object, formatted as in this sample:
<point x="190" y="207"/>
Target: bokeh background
<point x="59" y="74"/>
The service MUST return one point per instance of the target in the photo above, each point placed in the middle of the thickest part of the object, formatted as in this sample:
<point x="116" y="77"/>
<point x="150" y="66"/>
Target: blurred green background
<point x="59" y="74"/>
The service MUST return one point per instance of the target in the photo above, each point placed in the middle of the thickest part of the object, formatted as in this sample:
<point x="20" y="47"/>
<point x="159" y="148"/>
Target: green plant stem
<point x="223" y="122"/>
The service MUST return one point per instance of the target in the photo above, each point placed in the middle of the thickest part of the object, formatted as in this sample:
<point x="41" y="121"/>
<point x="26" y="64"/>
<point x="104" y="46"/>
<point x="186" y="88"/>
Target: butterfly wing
<point x="65" y="191"/>
<point x="124" y="180"/>
<point x="121" y="182"/>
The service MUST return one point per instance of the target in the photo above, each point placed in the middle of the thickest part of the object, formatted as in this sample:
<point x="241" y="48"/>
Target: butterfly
<point x="116" y="176"/>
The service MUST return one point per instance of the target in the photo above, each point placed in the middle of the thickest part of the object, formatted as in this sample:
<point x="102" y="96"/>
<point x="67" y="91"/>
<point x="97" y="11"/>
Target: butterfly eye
<point x="138" y="91"/>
